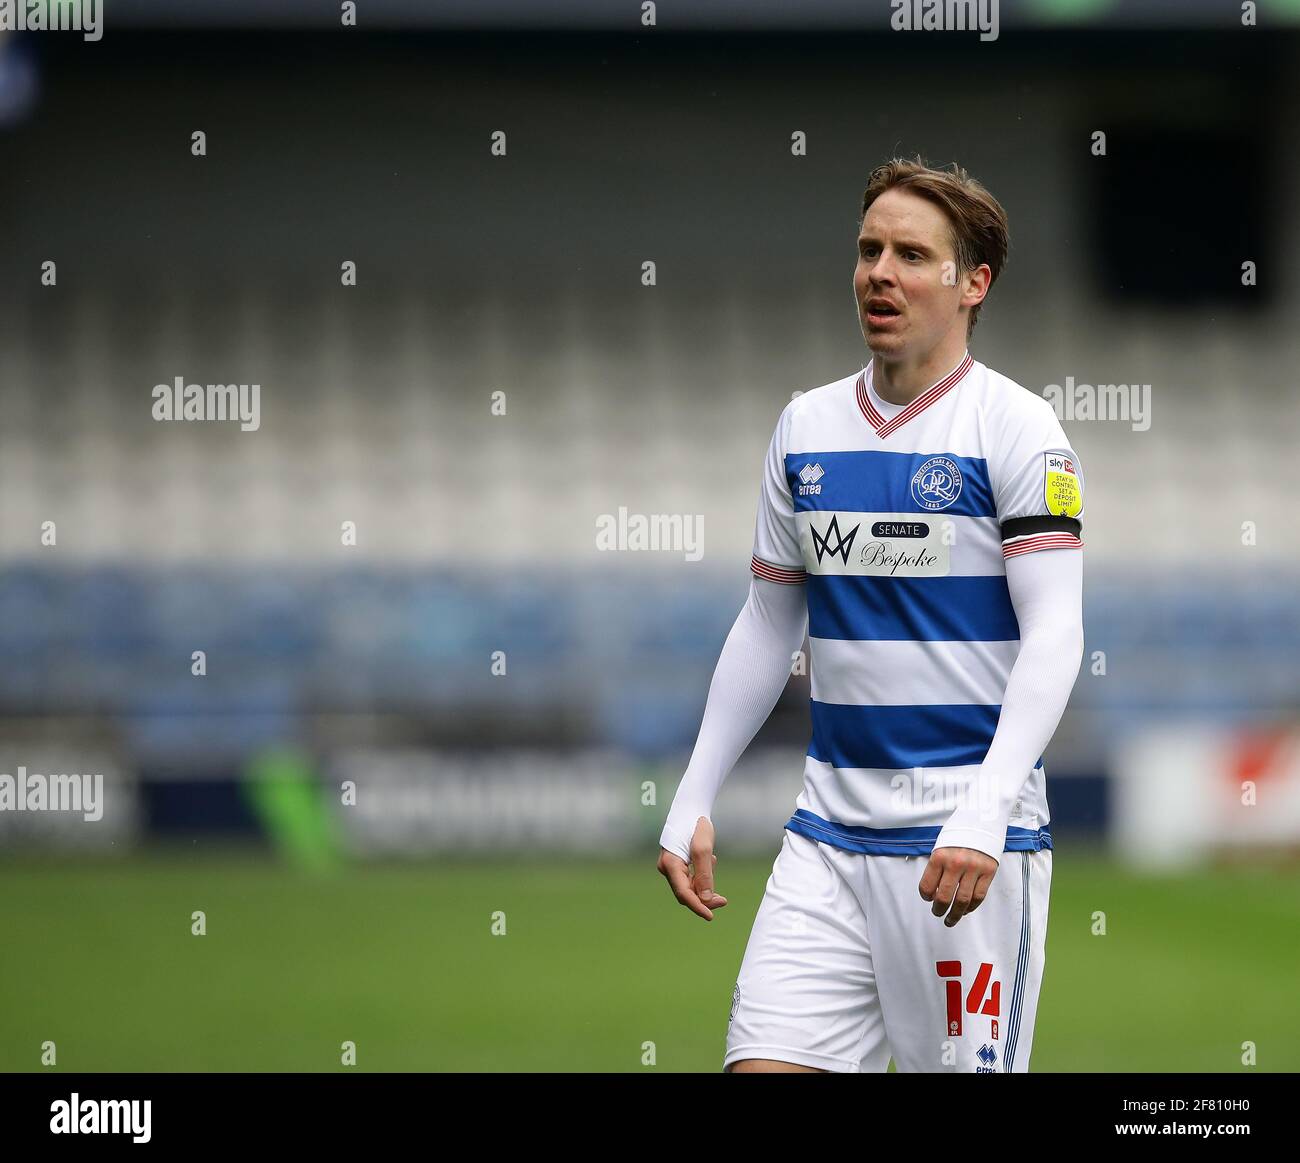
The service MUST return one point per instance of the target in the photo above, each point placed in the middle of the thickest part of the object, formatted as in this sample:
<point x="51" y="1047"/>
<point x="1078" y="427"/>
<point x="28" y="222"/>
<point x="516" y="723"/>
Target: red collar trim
<point x="884" y="427"/>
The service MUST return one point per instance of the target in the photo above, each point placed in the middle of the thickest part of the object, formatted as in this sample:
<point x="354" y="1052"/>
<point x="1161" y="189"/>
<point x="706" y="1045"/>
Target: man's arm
<point x="751" y="674"/>
<point x="752" y="671"/>
<point x="1047" y="593"/>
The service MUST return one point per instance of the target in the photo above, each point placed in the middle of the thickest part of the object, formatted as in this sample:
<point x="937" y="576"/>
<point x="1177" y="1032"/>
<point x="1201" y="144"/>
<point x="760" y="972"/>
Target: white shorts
<point x="847" y="967"/>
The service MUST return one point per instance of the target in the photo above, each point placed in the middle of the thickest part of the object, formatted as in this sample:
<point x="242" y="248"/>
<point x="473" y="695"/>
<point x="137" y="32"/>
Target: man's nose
<point x="882" y="270"/>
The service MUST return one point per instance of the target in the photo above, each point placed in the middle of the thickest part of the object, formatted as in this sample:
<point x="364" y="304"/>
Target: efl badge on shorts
<point x="936" y="484"/>
<point x="1061" y="488"/>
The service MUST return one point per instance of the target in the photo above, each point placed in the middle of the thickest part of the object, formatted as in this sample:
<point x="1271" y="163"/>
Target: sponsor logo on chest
<point x="874" y="544"/>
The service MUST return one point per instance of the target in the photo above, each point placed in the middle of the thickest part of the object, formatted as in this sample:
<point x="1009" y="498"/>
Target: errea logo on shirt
<point x="810" y="474"/>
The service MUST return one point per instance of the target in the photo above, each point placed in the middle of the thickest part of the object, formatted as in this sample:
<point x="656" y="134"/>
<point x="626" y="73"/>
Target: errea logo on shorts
<point x="102" y="1116"/>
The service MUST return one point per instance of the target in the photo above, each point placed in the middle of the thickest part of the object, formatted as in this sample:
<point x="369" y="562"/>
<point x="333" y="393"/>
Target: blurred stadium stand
<point x="476" y="532"/>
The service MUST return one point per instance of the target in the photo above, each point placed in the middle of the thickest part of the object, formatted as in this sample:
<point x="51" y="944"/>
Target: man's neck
<point x="901" y="381"/>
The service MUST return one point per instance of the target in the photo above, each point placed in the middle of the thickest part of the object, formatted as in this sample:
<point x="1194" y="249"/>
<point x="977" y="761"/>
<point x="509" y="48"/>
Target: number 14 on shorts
<point x="985" y="996"/>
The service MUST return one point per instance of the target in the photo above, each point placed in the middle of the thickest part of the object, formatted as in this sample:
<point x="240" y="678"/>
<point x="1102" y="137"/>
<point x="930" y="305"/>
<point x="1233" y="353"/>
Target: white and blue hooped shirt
<point x="899" y="520"/>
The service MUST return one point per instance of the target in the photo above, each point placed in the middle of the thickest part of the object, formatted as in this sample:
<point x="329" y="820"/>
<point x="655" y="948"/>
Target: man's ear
<point x="976" y="282"/>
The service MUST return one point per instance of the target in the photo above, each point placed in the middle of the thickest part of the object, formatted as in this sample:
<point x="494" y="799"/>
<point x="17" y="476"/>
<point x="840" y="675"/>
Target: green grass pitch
<point x="596" y="960"/>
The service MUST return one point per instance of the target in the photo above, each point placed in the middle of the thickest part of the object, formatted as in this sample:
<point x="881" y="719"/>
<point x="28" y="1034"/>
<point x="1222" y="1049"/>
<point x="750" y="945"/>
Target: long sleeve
<point x="752" y="671"/>
<point x="1047" y="593"/>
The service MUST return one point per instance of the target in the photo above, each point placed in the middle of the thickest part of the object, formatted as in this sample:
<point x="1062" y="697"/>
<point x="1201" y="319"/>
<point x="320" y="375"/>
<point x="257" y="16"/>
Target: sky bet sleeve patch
<point x="1061" y="488"/>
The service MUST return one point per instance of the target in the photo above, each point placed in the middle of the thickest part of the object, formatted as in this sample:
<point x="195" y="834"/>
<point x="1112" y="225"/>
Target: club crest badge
<point x="936" y="484"/>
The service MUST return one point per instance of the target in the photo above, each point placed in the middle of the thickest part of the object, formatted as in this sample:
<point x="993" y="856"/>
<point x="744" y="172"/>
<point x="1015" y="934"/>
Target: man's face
<point x="904" y="252"/>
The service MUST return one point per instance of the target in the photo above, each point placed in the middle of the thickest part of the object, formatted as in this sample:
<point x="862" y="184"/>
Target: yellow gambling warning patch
<point x="1061" y="490"/>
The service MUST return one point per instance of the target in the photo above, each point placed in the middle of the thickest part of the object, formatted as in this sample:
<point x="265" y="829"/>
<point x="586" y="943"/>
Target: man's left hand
<point x="957" y="880"/>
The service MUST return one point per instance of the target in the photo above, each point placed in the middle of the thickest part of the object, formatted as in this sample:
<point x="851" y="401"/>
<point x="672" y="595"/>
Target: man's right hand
<point x="694" y="886"/>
